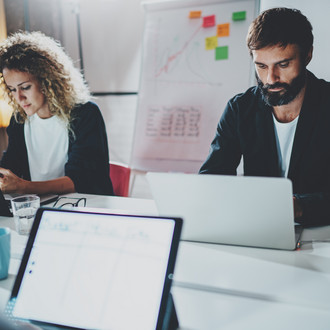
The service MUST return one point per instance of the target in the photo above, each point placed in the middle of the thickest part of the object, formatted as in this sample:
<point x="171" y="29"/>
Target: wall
<point x="111" y="34"/>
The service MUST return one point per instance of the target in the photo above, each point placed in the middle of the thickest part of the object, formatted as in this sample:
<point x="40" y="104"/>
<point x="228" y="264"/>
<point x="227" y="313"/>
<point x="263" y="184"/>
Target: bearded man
<point x="281" y="127"/>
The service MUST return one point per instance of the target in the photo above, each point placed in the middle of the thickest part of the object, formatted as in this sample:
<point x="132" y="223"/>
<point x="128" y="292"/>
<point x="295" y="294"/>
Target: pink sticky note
<point x="209" y="21"/>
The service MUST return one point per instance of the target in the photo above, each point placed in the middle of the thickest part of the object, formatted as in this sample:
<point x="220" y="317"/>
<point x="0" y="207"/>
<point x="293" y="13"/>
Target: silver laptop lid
<point x="248" y="211"/>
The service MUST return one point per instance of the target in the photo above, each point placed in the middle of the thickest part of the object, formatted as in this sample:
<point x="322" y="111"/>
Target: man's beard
<point x="285" y="96"/>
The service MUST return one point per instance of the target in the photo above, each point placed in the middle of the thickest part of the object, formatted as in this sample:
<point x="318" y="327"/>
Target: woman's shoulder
<point x="86" y="114"/>
<point x="86" y="110"/>
<point x="15" y="123"/>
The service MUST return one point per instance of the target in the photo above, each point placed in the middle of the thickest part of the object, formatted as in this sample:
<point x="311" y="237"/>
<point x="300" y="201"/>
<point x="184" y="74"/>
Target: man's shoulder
<point x="250" y="94"/>
<point x="250" y="100"/>
<point x="318" y="91"/>
<point x="318" y="82"/>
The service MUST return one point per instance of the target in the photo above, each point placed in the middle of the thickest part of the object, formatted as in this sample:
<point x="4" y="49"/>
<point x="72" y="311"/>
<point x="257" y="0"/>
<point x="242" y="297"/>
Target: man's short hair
<point x="280" y="26"/>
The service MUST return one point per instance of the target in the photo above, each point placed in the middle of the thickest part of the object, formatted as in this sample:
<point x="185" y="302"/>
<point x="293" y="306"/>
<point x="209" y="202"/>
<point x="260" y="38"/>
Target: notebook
<point x="5" y="204"/>
<point x="237" y="210"/>
<point x="88" y="270"/>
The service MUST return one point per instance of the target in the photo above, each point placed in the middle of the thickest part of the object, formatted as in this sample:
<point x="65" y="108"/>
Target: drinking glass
<point x="24" y="209"/>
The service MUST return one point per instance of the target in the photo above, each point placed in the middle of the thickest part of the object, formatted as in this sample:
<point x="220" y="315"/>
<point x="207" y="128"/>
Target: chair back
<point x="120" y="177"/>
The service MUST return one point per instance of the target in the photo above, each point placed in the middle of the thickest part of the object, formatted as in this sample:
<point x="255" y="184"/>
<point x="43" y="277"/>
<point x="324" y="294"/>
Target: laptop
<point x="5" y="202"/>
<point x="89" y="270"/>
<point x="236" y="210"/>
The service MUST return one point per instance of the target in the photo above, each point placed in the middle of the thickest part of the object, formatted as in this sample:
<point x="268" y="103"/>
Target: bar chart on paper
<point x="194" y="60"/>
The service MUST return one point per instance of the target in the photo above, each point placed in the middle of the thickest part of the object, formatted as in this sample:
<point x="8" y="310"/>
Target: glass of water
<point x="24" y="209"/>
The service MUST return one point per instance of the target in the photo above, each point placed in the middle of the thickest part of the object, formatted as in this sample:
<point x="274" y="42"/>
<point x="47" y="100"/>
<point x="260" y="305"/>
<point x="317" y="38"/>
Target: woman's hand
<point x="11" y="183"/>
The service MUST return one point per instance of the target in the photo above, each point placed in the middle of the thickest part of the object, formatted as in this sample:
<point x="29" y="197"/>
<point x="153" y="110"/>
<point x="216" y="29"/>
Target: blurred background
<point x="104" y="37"/>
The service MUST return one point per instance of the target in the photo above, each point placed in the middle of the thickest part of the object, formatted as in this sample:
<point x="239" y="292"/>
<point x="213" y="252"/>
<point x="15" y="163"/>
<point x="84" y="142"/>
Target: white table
<point x="199" y="310"/>
<point x="297" y="277"/>
<point x="230" y="287"/>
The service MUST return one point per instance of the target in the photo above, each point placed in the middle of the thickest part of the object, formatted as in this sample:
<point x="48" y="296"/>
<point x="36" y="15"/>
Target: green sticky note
<point x="239" y="16"/>
<point x="221" y="53"/>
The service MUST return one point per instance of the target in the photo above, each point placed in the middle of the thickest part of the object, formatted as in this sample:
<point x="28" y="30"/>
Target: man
<point x="281" y="127"/>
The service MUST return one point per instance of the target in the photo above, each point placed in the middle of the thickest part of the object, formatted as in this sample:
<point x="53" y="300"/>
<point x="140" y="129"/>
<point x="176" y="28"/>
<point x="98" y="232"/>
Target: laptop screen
<point x="100" y="271"/>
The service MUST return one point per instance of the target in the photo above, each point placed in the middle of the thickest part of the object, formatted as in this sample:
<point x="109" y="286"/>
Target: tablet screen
<point x="97" y="271"/>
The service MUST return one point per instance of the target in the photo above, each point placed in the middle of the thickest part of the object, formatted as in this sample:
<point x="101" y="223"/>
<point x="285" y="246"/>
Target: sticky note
<point x="195" y="14"/>
<point x="211" y="42"/>
<point x="221" y="53"/>
<point x="209" y="21"/>
<point x="239" y="16"/>
<point x="223" y="30"/>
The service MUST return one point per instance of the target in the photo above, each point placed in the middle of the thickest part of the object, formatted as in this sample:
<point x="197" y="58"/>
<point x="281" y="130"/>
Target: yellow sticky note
<point x="195" y="14"/>
<point x="223" y="30"/>
<point x="211" y="43"/>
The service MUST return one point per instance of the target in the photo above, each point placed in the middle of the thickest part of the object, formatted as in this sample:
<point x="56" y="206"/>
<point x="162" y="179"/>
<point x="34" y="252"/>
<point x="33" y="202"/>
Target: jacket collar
<point x="306" y="122"/>
<point x="266" y="124"/>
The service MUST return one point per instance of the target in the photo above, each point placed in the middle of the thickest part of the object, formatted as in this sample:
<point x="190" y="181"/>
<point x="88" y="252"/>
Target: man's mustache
<point x="276" y="85"/>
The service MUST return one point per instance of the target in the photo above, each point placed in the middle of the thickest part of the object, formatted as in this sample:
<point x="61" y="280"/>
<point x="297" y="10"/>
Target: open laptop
<point x="88" y="270"/>
<point x="237" y="210"/>
<point x="5" y="202"/>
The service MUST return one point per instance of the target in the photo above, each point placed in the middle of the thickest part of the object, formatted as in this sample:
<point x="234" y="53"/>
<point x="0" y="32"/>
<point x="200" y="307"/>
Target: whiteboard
<point x="189" y="72"/>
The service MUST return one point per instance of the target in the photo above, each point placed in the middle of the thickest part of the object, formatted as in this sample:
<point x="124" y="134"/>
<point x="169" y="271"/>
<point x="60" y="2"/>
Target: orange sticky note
<point x="211" y="43"/>
<point x="209" y="21"/>
<point x="223" y="30"/>
<point x="195" y="14"/>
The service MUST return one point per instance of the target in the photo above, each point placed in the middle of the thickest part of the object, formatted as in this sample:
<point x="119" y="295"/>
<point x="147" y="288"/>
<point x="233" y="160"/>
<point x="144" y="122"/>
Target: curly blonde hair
<point x="62" y="84"/>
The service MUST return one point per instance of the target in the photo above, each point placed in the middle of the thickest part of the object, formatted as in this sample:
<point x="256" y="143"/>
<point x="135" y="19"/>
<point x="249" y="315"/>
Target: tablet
<point x="87" y="270"/>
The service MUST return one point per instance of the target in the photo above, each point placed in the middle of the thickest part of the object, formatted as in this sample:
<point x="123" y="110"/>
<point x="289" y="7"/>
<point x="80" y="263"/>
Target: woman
<point x="57" y="137"/>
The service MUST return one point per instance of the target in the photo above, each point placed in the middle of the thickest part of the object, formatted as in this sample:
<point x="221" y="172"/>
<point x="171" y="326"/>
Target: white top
<point x="284" y="133"/>
<point x="47" y="144"/>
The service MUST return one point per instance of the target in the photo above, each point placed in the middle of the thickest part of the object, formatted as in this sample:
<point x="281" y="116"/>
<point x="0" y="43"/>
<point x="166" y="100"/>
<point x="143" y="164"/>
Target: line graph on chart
<point x="170" y="59"/>
<point x="182" y="53"/>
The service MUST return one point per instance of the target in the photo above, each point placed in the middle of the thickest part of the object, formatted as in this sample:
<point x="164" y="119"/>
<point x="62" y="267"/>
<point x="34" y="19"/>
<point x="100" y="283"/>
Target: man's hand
<point x="297" y="208"/>
<point x="9" y="182"/>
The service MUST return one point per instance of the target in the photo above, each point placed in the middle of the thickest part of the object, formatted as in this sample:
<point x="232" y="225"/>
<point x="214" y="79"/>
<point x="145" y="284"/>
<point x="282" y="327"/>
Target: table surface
<point x="230" y="287"/>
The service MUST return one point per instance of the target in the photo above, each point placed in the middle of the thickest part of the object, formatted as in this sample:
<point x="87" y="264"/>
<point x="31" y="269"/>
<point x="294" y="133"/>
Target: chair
<point x="120" y="177"/>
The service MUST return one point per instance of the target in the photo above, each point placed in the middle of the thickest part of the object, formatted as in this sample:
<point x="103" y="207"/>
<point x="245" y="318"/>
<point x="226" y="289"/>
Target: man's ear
<point x="309" y="56"/>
